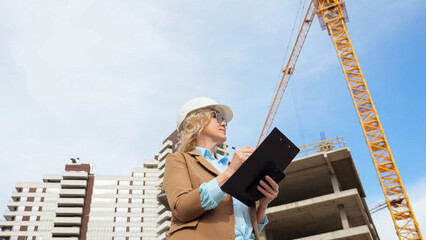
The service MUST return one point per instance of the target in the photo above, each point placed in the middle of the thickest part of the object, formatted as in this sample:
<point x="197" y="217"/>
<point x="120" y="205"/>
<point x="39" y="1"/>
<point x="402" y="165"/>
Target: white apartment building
<point x="79" y="205"/>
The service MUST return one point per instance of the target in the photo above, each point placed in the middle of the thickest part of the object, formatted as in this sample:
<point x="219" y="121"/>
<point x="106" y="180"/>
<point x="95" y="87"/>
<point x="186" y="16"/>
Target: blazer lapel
<point x="200" y="159"/>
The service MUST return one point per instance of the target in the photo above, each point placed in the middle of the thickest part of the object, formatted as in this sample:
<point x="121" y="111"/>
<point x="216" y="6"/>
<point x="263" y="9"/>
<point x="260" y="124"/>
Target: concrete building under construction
<point x="321" y="198"/>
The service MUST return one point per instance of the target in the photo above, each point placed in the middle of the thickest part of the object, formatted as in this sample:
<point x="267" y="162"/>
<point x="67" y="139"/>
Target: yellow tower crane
<point x="332" y="16"/>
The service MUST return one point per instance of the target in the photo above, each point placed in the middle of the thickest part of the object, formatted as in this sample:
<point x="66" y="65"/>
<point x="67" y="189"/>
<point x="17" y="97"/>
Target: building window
<point x="151" y="183"/>
<point x="150" y="210"/>
<point x="152" y="192"/>
<point x="123" y="191"/>
<point x="135" y="229"/>
<point x="137" y="191"/>
<point x="136" y="200"/>
<point x="138" y="174"/>
<point x="136" y="210"/>
<point x="50" y="199"/>
<point x="147" y="219"/>
<point x="122" y="210"/>
<point x="152" y="175"/>
<point x="149" y="229"/>
<point x="122" y="200"/>
<point x="138" y="183"/>
<point x="150" y="200"/>
<point x="52" y="190"/>
<point x="124" y="183"/>
<point x="39" y="190"/>
<point x="121" y="219"/>
<point x="120" y="229"/>
<point x="135" y="219"/>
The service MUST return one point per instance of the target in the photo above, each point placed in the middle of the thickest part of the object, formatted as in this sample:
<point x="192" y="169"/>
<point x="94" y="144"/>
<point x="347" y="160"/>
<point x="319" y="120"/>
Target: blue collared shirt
<point x="211" y="195"/>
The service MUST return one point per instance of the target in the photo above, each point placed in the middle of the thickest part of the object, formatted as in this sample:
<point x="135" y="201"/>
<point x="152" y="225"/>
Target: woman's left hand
<point x="269" y="190"/>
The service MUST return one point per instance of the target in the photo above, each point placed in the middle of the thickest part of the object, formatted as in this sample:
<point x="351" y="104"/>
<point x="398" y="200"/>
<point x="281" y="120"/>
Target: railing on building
<point x="321" y="146"/>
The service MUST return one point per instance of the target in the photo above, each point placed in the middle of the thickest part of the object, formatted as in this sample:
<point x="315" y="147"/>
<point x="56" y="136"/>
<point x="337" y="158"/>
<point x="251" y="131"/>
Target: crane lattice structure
<point x="332" y="16"/>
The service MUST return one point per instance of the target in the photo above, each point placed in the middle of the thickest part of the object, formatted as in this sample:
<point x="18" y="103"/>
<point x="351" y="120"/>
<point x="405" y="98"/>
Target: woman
<point x="193" y="176"/>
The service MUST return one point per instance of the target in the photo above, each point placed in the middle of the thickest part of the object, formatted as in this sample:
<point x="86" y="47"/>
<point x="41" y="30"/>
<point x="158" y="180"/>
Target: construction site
<point x="323" y="194"/>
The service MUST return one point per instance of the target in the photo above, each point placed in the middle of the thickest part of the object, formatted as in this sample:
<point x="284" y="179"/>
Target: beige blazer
<point x="184" y="174"/>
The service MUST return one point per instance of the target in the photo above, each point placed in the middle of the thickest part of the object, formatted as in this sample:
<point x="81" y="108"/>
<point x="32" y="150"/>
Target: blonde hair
<point x="191" y="128"/>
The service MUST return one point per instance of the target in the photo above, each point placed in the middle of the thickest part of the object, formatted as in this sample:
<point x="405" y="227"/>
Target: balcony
<point x="167" y="215"/>
<point x="165" y="226"/>
<point x="162" y="199"/>
<point x="52" y="178"/>
<point x="75" y="175"/>
<point x="161" y="174"/>
<point x="72" y="193"/>
<point x="162" y="236"/>
<point x="150" y="163"/>
<point x="69" y="211"/>
<point x="73" y="183"/>
<point x="68" y="202"/>
<point x="65" y="231"/>
<point x="163" y="155"/>
<point x="67" y="221"/>
<point x="167" y="144"/>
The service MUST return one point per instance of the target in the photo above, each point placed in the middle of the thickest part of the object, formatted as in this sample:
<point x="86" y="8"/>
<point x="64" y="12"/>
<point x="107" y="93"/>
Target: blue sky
<point x="103" y="81"/>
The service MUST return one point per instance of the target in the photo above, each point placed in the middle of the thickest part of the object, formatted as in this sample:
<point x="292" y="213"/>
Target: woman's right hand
<point x="240" y="156"/>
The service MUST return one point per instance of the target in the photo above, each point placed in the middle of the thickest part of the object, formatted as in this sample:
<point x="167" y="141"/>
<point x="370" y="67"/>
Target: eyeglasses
<point x="219" y="117"/>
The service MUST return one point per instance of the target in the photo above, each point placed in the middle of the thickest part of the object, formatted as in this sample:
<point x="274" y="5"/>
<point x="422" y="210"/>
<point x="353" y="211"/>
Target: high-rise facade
<point x="79" y="205"/>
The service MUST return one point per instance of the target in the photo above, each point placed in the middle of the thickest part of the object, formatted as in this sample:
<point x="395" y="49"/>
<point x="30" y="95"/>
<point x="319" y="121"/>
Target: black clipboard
<point x="272" y="156"/>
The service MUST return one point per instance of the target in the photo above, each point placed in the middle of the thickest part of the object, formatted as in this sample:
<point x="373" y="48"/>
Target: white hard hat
<point x="202" y="102"/>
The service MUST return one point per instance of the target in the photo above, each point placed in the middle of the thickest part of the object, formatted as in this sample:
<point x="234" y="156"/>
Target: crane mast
<point x="332" y="16"/>
<point x="288" y="71"/>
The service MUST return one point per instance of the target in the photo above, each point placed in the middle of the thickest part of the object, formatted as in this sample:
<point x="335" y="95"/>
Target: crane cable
<point x="286" y="51"/>
<point x="298" y="22"/>
<point x="293" y="92"/>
